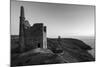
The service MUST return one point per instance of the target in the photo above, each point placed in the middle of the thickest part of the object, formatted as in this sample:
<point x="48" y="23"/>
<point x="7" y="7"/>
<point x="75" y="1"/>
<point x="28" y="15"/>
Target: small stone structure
<point x="31" y="36"/>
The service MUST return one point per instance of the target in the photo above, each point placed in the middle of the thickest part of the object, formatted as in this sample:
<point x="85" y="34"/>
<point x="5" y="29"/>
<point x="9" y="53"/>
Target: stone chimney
<point x="21" y="30"/>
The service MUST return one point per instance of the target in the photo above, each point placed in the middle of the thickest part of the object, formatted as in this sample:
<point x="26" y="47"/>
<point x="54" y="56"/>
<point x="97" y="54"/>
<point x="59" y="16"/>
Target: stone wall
<point x="31" y="36"/>
<point x="44" y="38"/>
<point x="34" y="36"/>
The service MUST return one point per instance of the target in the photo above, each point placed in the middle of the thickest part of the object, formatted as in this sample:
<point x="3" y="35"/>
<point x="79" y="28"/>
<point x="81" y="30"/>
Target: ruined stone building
<point x="31" y="36"/>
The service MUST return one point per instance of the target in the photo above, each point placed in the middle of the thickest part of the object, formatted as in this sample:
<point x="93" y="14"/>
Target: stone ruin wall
<point x="35" y="36"/>
<point x="31" y="36"/>
<point x="44" y="37"/>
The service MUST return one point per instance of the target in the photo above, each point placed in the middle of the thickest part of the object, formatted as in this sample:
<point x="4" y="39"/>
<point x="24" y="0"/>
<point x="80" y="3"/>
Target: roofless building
<point x="31" y="37"/>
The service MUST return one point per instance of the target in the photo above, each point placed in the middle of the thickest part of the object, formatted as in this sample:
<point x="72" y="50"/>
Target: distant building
<point x="31" y="36"/>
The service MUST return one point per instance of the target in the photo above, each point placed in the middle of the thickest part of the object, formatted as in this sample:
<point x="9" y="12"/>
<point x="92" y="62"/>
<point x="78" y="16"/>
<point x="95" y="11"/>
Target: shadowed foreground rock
<point x="73" y="50"/>
<point x="36" y="57"/>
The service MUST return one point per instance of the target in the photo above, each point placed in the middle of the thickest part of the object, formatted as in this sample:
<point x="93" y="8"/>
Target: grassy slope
<point x="74" y="51"/>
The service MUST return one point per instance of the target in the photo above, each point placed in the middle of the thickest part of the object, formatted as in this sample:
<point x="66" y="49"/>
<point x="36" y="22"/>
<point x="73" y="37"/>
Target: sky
<point x="61" y="19"/>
